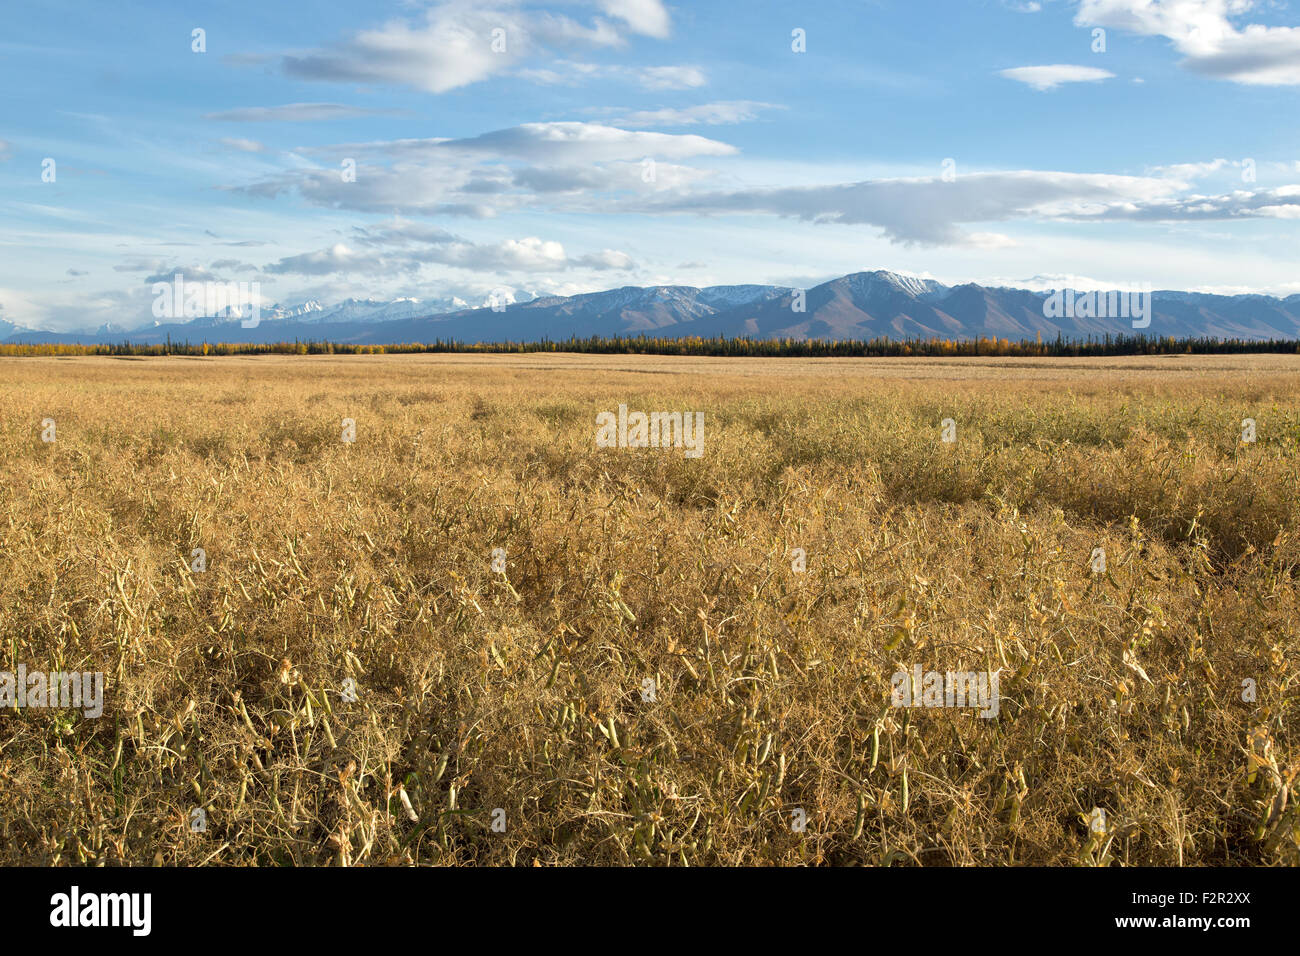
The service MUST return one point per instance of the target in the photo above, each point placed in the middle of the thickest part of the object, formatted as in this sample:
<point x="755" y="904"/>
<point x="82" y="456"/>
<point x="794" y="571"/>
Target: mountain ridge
<point x="860" y="305"/>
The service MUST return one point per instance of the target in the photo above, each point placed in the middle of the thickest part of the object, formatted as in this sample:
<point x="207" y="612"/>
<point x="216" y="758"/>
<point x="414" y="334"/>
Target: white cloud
<point x="606" y="259"/>
<point x="337" y="258"/>
<point x="573" y="73"/>
<point x="1202" y="31"/>
<point x="576" y="167"/>
<point x="193" y="273"/>
<point x="704" y="114"/>
<point x="296" y="113"/>
<point x="593" y="142"/>
<point x="1050" y="77"/>
<point x="404" y="248"/>
<point x="1053" y="281"/>
<point x="621" y="175"/>
<point x="647" y="17"/>
<point x="425" y="189"/>
<point x="452" y="48"/>
<point x="1186" y="172"/>
<point x="527" y="254"/>
<point x="401" y="232"/>
<point x="460" y="42"/>
<point x="931" y="211"/>
<point x="485" y="175"/>
<point x="243" y="145"/>
<point x="672" y="77"/>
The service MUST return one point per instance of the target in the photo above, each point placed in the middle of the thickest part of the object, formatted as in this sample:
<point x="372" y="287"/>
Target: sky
<point x="449" y="150"/>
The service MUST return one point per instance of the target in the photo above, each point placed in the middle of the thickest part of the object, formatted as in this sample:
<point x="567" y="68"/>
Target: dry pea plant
<point x="473" y="636"/>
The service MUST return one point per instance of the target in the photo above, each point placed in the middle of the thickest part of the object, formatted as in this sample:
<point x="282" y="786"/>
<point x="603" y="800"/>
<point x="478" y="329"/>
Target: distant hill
<point x="863" y="305"/>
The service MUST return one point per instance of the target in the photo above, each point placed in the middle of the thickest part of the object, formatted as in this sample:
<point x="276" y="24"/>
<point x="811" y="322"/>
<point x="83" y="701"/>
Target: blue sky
<point x="569" y="147"/>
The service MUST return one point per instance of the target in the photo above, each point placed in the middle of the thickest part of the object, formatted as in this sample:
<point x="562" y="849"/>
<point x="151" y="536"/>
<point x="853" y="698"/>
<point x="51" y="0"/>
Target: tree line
<point x="1106" y="345"/>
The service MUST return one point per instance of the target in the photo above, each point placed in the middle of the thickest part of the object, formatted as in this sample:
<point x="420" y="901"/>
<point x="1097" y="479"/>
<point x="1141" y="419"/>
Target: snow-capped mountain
<point x="884" y="286"/>
<point x="373" y="310"/>
<point x="634" y="309"/>
<point x="722" y="297"/>
<point x="304" y="310"/>
<point x="862" y="305"/>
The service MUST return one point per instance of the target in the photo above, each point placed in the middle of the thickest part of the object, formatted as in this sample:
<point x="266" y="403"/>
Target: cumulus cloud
<point x="452" y="48"/>
<point x="576" y="167"/>
<point x="606" y="259"/>
<point x="1203" y="32"/>
<point x="932" y="212"/>
<point x="529" y="254"/>
<point x="403" y="247"/>
<point x="428" y="190"/>
<point x="647" y="17"/>
<point x="163" y="270"/>
<point x="461" y="42"/>
<point x="1050" y="77"/>
<point x="337" y="258"/>
<point x="592" y="142"/>
<point x="482" y="176"/>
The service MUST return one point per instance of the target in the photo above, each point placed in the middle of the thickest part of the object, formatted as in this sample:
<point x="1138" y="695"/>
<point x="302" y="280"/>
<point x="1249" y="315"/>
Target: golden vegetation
<point x="371" y="562"/>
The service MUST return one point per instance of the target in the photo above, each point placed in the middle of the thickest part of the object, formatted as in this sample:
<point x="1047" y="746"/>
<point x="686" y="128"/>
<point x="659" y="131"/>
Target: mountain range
<point x="863" y="305"/>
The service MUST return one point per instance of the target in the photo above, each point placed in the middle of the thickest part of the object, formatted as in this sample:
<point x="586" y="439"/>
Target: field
<point x="651" y="680"/>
